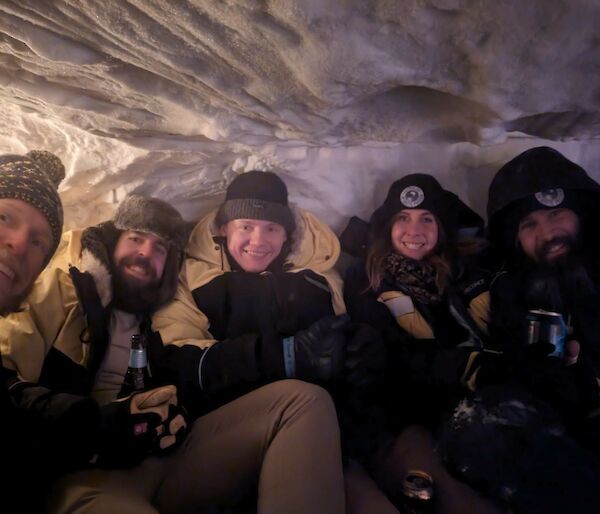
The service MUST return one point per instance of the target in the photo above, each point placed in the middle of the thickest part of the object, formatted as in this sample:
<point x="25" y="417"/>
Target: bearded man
<point x="72" y="341"/>
<point x="537" y="424"/>
<point x="542" y="210"/>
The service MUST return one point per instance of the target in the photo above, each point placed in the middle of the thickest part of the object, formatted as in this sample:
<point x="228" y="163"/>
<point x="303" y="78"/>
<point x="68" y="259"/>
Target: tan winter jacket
<point x="315" y="248"/>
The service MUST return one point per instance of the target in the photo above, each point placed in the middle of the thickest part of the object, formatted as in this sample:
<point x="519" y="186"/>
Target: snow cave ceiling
<point x="173" y="98"/>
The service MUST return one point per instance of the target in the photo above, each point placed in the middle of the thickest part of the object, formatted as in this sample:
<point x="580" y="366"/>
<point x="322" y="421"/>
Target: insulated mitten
<point x="139" y="425"/>
<point x="161" y="401"/>
<point x="318" y="352"/>
<point x="365" y="354"/>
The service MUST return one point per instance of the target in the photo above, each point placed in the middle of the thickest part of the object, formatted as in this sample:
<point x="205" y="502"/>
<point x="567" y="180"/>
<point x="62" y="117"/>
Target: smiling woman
<point x="429" y="301"/>
<point x="414" y="233"/>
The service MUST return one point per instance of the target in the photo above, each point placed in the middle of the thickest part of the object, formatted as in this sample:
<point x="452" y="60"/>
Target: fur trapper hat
<point x="143" y="214"/>
<point x="147" y="214"/>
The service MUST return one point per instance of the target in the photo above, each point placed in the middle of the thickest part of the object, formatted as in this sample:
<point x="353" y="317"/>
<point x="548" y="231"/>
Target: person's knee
<point x="311" y="392"/>
<point x="302" y="395"/>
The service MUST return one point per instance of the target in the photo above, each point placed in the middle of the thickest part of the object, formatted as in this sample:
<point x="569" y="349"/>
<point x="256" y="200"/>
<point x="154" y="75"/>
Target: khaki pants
<point x="280" y="441"/>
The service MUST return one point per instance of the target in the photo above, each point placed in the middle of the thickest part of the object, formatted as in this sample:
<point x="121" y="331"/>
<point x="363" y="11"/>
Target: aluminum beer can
<point x="547" y="327"/>
<point x="417" y="493"/>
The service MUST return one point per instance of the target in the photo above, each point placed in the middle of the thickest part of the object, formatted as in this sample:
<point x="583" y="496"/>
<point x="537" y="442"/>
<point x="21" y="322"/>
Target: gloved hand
<point x="567" y="383"/>
<point x="141" y="424"/>
<point x="365" y="354"/>
<point x="168" y="420"/>
<point x="318" y="352"/>
<point x="62" y="428"/>
<point x="333" y="349"/>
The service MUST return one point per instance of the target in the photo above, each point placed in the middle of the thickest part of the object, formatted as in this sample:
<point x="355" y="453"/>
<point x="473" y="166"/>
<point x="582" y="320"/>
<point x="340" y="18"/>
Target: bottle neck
<point x="138" y="358"/>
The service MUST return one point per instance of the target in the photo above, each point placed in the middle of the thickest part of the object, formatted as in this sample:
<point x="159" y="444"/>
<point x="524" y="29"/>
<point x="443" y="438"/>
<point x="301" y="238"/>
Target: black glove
<point x="144" y="423"/>
<point x="318" y="352"/>
<point x="570" y="389"/>
<point x="315" y="354"/>
<point x="70" y="433"/>
<point x="365" y="354"/>
<point x="61" y="429"/>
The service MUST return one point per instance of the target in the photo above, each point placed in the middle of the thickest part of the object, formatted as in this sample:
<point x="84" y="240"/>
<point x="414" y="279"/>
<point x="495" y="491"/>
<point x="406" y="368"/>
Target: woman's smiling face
<point x="414" y="233"/>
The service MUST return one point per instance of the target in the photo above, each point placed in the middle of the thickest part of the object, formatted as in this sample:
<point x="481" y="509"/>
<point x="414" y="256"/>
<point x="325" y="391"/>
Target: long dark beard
<point x="130" y="295"/>
<point x="560" y="284"/>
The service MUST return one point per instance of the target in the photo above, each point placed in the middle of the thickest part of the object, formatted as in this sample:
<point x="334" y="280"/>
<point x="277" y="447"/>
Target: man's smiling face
<point x="140" y="258"/>
<point x="25" y="240"/>
<point x="254" y="244"/>
<point x="547" y="234"/>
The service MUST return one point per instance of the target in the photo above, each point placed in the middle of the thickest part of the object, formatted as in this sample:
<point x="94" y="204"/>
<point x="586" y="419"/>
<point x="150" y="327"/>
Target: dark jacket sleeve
<point x="208" y="377"/>
<point x="61" y="427"/>
<point x="421" y="359"/>
<point x="422" y="375"/>
<point x="61" y="432"/>
<point x="571" y="390"/>
<point x="248" y="314"/>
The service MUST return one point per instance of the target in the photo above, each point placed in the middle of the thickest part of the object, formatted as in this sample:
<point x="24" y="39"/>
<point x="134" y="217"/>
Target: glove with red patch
<point x="150" y="422"/>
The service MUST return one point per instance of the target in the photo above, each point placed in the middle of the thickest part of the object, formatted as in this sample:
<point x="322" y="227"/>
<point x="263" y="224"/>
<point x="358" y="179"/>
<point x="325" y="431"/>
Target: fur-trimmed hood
<point x="313" y="245"/>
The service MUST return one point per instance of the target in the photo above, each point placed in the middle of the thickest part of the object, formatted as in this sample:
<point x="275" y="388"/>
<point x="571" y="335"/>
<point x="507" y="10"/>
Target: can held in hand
<point x="417" y="493"/>
<point x="549" y="328"/>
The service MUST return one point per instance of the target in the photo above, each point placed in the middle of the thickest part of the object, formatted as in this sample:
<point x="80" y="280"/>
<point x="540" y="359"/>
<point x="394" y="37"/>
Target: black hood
<point x="539" y="178"/>
<point x="421" y="191"/>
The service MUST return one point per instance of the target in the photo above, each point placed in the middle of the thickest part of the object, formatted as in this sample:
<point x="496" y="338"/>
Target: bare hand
<point x="572" y="349"/>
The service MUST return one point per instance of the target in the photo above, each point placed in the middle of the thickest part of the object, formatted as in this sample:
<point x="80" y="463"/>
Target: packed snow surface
<point x="173" y="98"/>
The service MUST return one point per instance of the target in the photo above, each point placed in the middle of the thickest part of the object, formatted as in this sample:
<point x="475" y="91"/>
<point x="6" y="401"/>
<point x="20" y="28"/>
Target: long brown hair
<point x="441" y="257"/>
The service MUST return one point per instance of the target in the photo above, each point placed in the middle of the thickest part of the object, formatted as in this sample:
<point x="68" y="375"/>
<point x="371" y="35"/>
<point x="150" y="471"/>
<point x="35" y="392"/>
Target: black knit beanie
<point x="423" y="191"/>
<point x="258" y="195"/>
<point x="34" y="178"/>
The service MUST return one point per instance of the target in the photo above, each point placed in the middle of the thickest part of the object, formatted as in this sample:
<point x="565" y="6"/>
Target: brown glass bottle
<point x="137" y="377"/>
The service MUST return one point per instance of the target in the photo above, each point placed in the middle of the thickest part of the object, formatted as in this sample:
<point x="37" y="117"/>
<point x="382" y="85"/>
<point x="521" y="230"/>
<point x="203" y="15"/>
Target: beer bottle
<point x="137" y="377"/>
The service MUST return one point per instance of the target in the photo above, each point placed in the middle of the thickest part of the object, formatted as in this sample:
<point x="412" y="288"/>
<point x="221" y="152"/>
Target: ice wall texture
<point x="174" y="97"/>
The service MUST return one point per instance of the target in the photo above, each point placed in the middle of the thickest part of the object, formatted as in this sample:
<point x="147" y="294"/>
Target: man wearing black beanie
<point x="265" y="299"/>
<point x="259" y="301"/>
